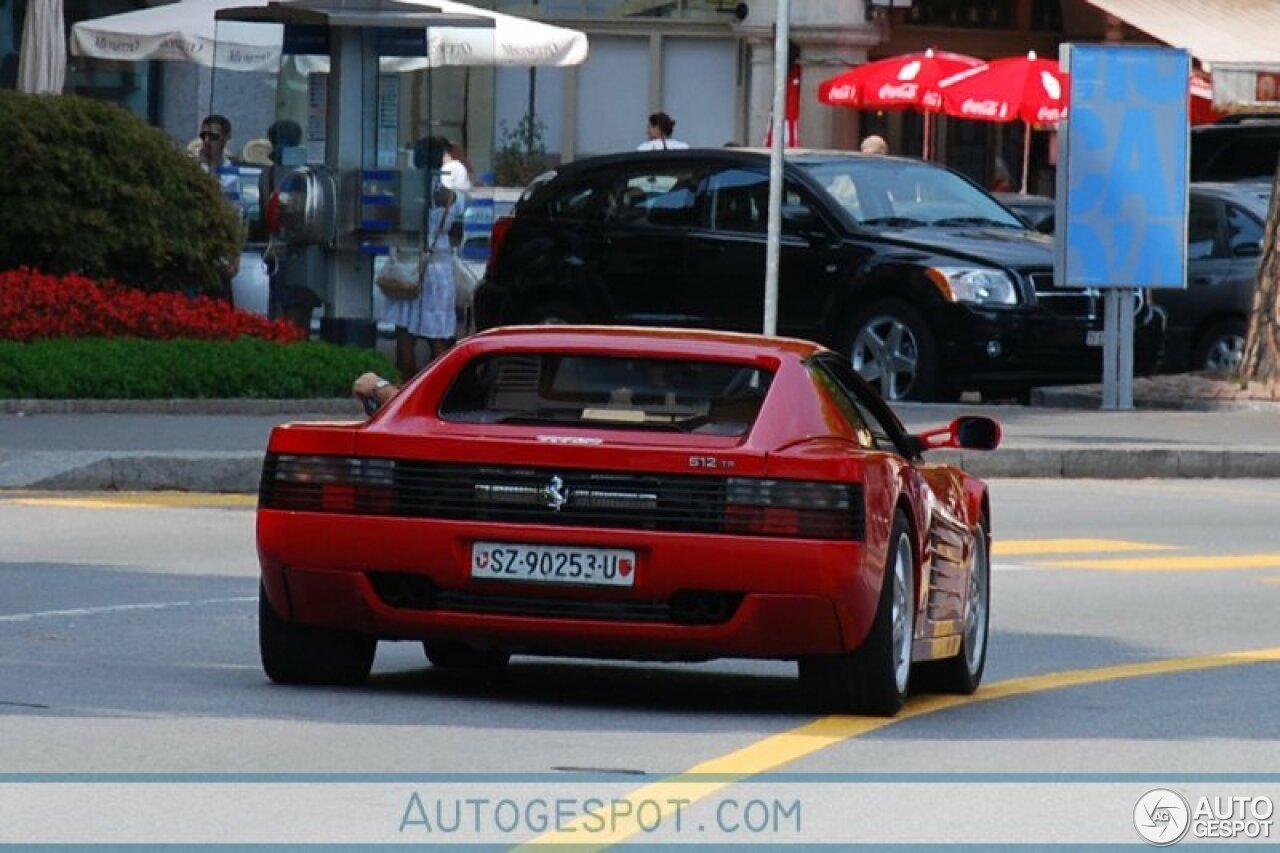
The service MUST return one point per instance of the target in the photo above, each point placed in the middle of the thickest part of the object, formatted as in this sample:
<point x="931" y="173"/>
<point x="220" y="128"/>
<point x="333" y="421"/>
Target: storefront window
<point x="969" y="14"/>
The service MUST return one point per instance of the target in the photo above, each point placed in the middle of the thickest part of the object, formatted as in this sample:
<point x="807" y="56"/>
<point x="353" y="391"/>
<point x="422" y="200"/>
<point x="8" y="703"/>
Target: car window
<point x="706" y="397"/>
<point x="1244" y="231"/>
<point x="1202" y="230"/>
<point x="584" y="202"/>
<point x="1247" y="156"/>
<point x="888" y="192"/>
<point x="655" y="196"/>
<point x="738" y="200"/>
<point x="845" y="390"/>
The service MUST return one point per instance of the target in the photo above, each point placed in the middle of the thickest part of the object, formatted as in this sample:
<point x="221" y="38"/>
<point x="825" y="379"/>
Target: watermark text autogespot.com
<point x="443" y="816"/>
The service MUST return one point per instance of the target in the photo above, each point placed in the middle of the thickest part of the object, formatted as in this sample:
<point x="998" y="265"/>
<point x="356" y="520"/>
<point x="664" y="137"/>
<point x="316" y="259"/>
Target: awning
<point x="185" y="31"/>
<point x="1241" y="32"/>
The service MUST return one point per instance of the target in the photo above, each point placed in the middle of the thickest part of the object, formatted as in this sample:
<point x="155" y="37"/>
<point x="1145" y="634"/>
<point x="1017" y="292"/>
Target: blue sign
<point x="1122" y="168"/>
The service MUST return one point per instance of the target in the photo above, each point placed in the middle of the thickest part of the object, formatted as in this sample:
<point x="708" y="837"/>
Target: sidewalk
<point x="218" y="445"/>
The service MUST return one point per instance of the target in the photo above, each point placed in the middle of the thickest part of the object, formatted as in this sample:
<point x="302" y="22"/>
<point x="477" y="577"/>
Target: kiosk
<point x="354" y="77"/>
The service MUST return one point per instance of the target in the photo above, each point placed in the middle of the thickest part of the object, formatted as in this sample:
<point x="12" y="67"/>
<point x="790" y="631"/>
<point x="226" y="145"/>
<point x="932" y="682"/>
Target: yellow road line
<point x="1024" y="547"/>
<point x="158" y="500"/>
<point x="1202" y="563"/>
<point x="783" y="748"/>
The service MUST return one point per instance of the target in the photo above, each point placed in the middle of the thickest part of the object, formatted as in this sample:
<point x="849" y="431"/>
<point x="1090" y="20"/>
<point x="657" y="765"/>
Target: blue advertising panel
<point x="1122" y="168"/>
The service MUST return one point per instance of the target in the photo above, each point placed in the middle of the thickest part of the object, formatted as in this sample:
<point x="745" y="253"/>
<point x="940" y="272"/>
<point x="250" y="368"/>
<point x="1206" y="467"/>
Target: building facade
<point x="708" y="63"/>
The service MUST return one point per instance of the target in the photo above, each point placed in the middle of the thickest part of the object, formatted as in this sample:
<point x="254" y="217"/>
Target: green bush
<point x="90" y="188"/>
<point x="131" y="368"/>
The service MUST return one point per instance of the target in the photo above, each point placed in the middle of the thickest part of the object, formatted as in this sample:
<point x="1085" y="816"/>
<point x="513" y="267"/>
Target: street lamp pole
<point x="782" y="37"/>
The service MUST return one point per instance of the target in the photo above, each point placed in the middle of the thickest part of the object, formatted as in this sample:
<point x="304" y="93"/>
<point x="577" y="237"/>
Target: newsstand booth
<point x="353" y="172"/>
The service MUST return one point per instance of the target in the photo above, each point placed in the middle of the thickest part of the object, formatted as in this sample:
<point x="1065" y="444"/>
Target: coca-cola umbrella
<point x="1201" y="109"/>
<point x="898" y="82"/>
<point x="1016" y="87"/>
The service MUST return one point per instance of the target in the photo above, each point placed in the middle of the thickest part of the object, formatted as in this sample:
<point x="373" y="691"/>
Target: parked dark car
<point x="1038" y="211"/>
<point x="920" y="277"/>
<point x="1208" y="320"/>
<point x="1235" y="149"/>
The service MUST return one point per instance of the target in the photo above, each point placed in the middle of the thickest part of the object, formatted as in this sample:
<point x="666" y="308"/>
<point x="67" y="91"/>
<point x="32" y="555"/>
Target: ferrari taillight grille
<point x="563" y="497"/>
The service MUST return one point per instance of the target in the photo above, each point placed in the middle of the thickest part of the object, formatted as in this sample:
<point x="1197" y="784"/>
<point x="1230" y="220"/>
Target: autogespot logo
<point x="1162" y="817"/>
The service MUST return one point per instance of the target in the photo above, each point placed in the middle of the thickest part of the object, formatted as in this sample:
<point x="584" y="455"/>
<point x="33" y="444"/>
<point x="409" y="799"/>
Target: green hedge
<point x="88" y="187"/>
<point x="130" y="368"/>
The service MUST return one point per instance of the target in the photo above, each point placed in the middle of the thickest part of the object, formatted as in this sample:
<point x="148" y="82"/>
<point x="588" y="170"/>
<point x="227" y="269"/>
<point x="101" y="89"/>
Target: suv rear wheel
<point x="890" y="344"/>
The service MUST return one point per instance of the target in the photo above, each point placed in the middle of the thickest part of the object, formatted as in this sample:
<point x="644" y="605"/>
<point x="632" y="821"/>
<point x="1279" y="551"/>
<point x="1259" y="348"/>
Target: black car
<point x="918" y="275"/>
<point x="1038" y="211"/>
<point x="1208" y="320"/>
<point x="1235" y="149"/>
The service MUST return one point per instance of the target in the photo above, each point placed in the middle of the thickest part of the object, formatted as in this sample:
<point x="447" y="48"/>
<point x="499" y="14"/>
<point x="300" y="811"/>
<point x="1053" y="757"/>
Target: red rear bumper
<point x="798" y="597"/>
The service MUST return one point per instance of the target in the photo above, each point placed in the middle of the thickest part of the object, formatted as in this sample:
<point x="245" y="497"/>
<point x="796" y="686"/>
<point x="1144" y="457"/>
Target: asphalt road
<point x="128" y="646"/>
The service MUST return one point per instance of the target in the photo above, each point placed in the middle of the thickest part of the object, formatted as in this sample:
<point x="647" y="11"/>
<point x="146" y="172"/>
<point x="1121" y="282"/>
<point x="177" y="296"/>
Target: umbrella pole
<point x="926" y="135"/>
<point x="1026" y="155"/>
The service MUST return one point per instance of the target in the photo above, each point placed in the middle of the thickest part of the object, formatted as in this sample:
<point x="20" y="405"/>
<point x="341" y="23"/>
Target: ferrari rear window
<point x="709" y="397"/>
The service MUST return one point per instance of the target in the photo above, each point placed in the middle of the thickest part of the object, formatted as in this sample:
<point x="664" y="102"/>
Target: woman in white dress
<point x="432" y="315"/>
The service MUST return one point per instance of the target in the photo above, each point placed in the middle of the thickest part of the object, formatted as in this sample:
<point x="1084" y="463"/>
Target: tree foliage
<point x="90" y="188"/>
<point x="522" y="152"/>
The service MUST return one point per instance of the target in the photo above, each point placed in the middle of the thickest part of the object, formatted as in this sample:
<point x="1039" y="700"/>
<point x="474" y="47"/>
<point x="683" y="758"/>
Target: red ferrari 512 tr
<point x="650" y="494"/>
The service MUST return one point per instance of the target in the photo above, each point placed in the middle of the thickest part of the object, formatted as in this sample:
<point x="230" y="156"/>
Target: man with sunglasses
<point x="215" y="133"/>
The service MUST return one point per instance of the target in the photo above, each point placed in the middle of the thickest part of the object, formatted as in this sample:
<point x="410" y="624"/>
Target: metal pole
<point x="774" y="247"/>
<point x="1124" y="362"/>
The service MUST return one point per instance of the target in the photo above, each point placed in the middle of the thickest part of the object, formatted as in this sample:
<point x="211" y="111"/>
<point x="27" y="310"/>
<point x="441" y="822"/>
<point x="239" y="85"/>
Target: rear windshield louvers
<point x="563" y="497"/>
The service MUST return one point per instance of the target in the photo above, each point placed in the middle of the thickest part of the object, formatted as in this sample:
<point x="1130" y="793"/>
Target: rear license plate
<point x="553" y="564"/>
<point x="1093" y="338"/>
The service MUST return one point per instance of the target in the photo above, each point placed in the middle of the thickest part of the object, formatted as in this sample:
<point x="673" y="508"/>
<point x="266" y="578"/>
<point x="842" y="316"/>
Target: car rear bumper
<point x="788" y="598"/>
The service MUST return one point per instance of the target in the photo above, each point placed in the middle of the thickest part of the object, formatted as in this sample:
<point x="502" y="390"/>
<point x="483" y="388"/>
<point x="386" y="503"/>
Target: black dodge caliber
<point x="922" y="279"/>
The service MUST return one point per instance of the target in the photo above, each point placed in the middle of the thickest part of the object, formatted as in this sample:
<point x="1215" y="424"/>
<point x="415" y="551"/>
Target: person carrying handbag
<point x="431" y="314"/>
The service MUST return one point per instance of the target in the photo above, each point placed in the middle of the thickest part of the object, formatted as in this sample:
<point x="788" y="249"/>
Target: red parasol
<point x="1201" y="109"/>
<point x="791" y="122"/>
<point x="1016" y="87"/>
<point x="899" y="82"/>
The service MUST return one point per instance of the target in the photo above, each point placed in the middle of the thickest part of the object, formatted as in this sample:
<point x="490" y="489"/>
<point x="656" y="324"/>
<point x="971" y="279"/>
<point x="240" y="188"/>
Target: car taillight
<point x="500" y="227"/>
<point x="799" y="508"/>
<point x="328" y="484"/>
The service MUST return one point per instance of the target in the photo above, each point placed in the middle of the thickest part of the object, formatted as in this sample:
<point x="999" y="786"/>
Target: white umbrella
<point x="187" y="31"/>
<point x="42" y="67"/>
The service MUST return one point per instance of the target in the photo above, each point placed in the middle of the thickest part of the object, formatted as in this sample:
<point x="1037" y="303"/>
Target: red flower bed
<point x="34" y="305"/>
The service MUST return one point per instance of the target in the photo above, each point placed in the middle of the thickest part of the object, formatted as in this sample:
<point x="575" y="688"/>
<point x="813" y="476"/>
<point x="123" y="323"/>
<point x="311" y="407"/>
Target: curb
<point x="324" y="406"/>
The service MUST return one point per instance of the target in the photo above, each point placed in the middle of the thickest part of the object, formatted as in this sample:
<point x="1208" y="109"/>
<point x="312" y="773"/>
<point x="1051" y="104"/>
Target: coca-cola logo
<point x="984" y="109"/>
<point x="900" y="92"/>
<point x="1049" y="115"/>
<point x="845" y="92"/>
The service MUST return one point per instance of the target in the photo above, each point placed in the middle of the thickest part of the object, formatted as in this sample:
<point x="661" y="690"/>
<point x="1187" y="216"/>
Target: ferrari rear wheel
<point x="963" y="673"/>
<point x="874" y="678"/>
<point x="306" y="654"/>
<point x="450" y="655"/>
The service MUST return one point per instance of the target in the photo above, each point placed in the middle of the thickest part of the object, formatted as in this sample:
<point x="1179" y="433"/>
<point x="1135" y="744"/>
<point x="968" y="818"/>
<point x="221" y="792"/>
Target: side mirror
<point x="970" y="432"/>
